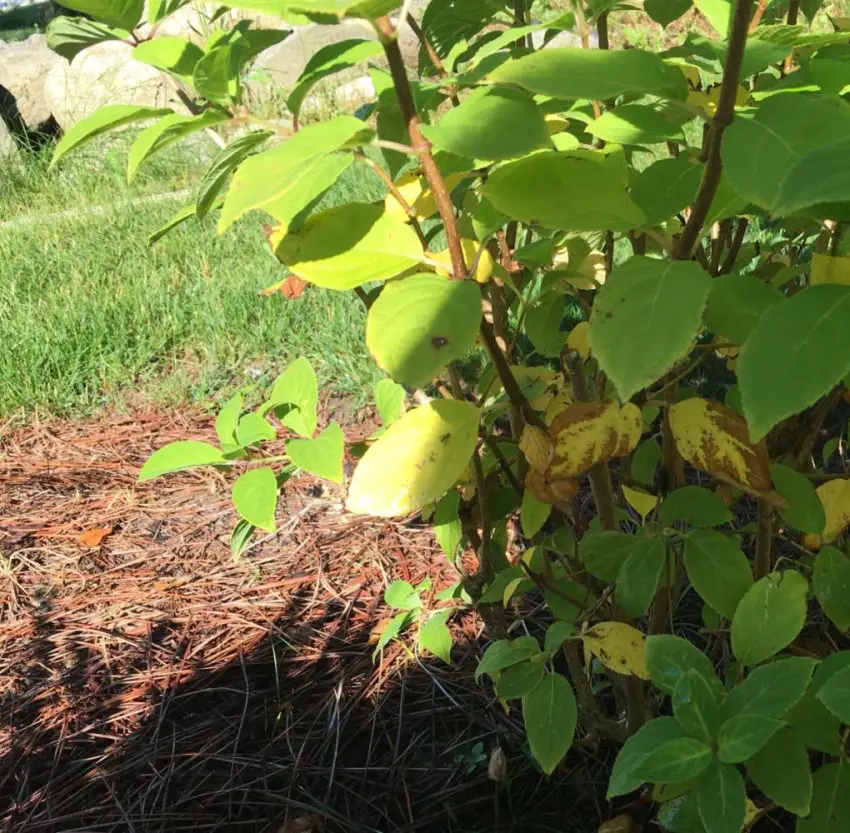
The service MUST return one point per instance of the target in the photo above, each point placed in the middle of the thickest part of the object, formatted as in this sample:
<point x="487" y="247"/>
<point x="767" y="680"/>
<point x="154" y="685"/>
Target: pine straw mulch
<point x="150" y="683"/>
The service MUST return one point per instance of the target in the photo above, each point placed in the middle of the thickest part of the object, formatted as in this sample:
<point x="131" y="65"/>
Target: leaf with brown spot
<point x="92" y="538"/>
<point x="619" y="647"/>
<point x="560" y="493"/>
<point x="587" y="433"/>
<point x="537" y="447"/>
<point x="715" y="439"/>
<point x="835" y="497"/>
<point x="291" y="287"/>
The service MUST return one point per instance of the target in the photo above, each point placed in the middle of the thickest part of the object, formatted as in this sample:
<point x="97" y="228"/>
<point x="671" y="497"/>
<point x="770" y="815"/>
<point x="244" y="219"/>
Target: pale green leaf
<point x="297" y="386"/>
<point x="253" y="428"/>
<point x="416" y="461"/>
<point x="769" y="617"/>
<point x="255" y="497"/>
<point x="634" y="124"/>
<point x="795" y="354"/>
<point x="321" y="456"/>
<point x="436" y="638"/>
<point x="402" y="595"/>
<point x="550" y="713"/>
<point x="447" y="525"/>
<point x="124" y="14"/>
<point x="180" y="455"/>
<point x="419" y="324"/>
<point x="171" y="54"/>
<point x="650" y="302"/>
<point x="227" y="421"/>
<point x="240" y="537"/>
<point x="831" y="585"/>
<point x="389" y="400"/>
<point x="718" y="569"/>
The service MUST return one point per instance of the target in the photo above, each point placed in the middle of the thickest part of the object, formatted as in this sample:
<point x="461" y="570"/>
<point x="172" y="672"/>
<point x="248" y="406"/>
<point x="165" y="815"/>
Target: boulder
<point x="8" y="146"/>
<point x="104" y="74"/>
<point x="23" y="69"/>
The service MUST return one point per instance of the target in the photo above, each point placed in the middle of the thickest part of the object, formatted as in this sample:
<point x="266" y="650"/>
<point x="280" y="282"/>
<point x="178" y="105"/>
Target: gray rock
<point x="23" y="69"/>
<point x="8" y="147"/>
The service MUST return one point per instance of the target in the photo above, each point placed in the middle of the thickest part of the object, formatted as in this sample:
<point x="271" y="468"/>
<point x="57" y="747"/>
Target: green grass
<point x="91" y="316"/>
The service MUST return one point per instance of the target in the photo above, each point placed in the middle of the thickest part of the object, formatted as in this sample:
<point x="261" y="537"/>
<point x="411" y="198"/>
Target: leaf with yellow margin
<point x="827" y="269"/>
<point x="715" y="439"/>
<point x="587" y="433"/>
<point x="835" y="497"/>
<point x="416" y="460"/>
<point x="642" y="502"/>
<point x="577" y="340"/>
<point x="537" y="447"/>
<point x="619" y="647"/>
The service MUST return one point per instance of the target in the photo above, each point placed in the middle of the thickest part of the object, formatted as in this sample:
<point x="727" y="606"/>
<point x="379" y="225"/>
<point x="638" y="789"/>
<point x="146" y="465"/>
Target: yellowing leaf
<point x="417" y="195"/>
<point x="557" y="492"/>
<point x="587" y="433"/>
<point x="642" y="502"/>
<point x="473" y="252"/>
<point x="562" y="399"/>
<point x="835" y="497"/>
<point x="577" y="339"/>
<point x="826" y="269"/>
<point x="714" y="438"/>
<point x="537" y="447"/>
<point x="539" y="384"/>
<point x="753" y="812"/>
<point x="416" y="460"/>
<point x="619" y="647"/>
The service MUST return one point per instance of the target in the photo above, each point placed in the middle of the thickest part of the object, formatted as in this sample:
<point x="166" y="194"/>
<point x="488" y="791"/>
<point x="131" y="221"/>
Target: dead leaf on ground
<point x="313" y="823"/>
<point x="92" y="538"/>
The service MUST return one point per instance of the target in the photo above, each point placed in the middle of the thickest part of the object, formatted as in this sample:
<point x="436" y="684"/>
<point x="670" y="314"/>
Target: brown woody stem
<point x="735" y="247"/>
<point x="793" y="12"/>
<point x="722" y="119"/>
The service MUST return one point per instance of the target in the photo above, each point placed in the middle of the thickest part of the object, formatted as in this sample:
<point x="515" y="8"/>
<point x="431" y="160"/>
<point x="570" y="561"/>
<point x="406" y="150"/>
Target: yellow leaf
<point x="587" y="433"/>
<point x="835" y="497"/>
<point x="642" y="502"/>
<point x="557" y="492"/>
<point x="511" y="589"/>
<point x="619" y="647"/>
<point x="555" y="123"/>
<point x="484" y="265"/>
<point x="417" y="195"/>
<point x="562" y="399"/>
<point x="715" y="439"/>
<point x="751" y="814"/>
<point x="691" y="74"/>
<point x="826" y="269"/>
<point x="416" y="460"/>
<point x="577" y="339"/>
<point x="537" y="447"/>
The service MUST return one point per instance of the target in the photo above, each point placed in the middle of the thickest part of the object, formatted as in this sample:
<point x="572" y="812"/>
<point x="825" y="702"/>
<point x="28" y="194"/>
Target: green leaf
<point x="68" y="36"/>
<point x="722" y="799"/>
<point x="556" y="635"/>
<point x="183" y="214"/>
<point x="321" y="456"/>
<point x="645" y="462"/>
<point x="518" y="680"/>
<point x="160" y="9"/>
<point x="810" y="7"/>
<point x="104" y="119"/>
<point x="389" y="399"/>
<point x="736" y="303"/>
<point x="543" y="326"/>
<point x="835" y="695"/>
<point x="718" y="13"/>
<point x="416" y="461"/>
<point x="830" y="801"/>
<point x="742" y="736"/>
<point x="533" y="514"/>
<point x="638" y="750"/>
<point x="676" y="760"/>
<point x="240" y="537"/>
<point x="681" y="814"/>
<point x="392" y="629"/>
<point x="638" y="578"/>
<point x="447" y="525"/>
<point x="511" y="579"/>
<point x="669" y="658"/>
<point x="290" y="175"/>
<point x="318" y="9"/>
<point x="666" y="187"/>
<point x="255" y="497"/>
<point x="604" y="553"/>
<point x="402" y="595"/>
<point x="124" y="14"/>
<point x="831" y="585"/>
<point x="168" y="130"/>
<point x="666" y="11"/>
<point x="224" y="162"/>
<point x="591" y="73"/>
<point x="772" y="690"/>
<point x="419" y="324"/>
<point x="769" y="617"/>
<point x="696" y="505"/>
<point x="435" y="636"/>
<point x="297" y="386"/>
<point x="797" y="352"/>
<point x="695" y="706"/>
<point x="253" y="428"/>
<point x="653" y="303"/>
<point x="344" y="247"/>
<point x="549" y="713"/>
<point x="171" y="54"/>
<point x="564" y="192"/>
<point x="180" y="455"/>
<point x="717" y="569"/>
<point x="781" y="770"/>
<point x="820" y="176"/>
<point x="216" y="75"/>
<point x="330" y="59"/>
<point x="634" y="124"/>
<point x="804" y="511"/>
<point x="759" y="152"/>
<point x="504" y="653"/>
<point x="227" y="421"/>
<point x="492" y="123"/>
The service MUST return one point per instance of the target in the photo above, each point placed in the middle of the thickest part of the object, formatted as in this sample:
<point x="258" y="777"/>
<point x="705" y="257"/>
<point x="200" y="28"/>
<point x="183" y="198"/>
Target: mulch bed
<point x="149" y="682"/>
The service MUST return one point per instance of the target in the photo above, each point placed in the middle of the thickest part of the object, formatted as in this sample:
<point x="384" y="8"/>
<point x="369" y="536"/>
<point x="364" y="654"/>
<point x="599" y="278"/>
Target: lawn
<point x="92" y="316"/>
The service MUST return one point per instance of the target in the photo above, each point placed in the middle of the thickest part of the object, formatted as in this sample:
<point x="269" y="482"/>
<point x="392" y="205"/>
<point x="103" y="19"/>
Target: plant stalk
<point x="764" y="535"/>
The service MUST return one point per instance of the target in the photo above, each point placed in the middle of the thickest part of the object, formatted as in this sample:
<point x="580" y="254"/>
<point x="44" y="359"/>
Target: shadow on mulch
<point x="153" y="684"/>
